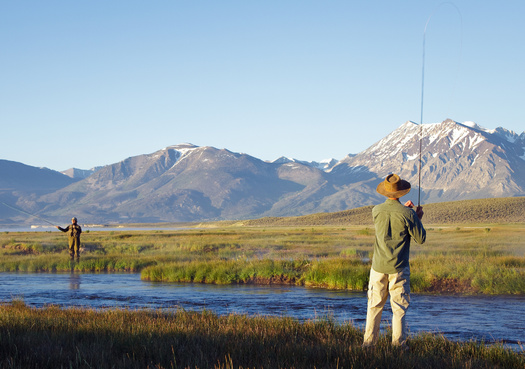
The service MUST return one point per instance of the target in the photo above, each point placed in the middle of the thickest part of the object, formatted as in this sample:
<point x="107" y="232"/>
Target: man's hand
<point x="419" y="212"/>
<point x="419" y="209"/>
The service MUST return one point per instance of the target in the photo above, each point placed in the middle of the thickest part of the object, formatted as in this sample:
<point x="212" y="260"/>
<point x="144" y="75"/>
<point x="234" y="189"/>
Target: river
<point x="48" y="228"/>
<point x="481" y="318"/>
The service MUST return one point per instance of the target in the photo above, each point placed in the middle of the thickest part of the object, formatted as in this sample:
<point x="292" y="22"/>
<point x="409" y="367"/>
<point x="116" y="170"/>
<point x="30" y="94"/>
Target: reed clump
<point x="62" y="263"/>
<point x="51" y="337"/>
<point x="475" y="273"/>
<point x="333" y="273"/>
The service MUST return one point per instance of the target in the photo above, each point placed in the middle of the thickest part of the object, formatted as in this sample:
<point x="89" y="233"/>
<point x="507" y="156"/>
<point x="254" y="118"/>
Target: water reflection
<point x="74" y="281"/>
<point x="488" y="318"/>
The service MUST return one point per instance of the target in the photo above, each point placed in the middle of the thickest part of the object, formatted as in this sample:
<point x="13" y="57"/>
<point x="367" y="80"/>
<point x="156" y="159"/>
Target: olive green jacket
<point x="395" y="225"/>
<point x="73" y="232"/>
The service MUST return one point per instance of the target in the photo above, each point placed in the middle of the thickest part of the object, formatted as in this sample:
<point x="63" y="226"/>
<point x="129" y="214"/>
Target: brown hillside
<point x="498" y="210"/>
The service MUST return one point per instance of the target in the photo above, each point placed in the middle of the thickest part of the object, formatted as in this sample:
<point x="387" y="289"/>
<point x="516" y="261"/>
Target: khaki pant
<point x="380" y="285"/>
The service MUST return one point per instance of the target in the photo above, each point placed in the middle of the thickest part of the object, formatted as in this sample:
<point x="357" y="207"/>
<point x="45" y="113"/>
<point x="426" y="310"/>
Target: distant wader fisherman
<point x="395" y="225"/>
<point x="73" y="230"/>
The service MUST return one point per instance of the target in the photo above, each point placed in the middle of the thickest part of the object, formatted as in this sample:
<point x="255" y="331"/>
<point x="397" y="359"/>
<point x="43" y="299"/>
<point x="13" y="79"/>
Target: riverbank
<point x="85" y="338"/>
<point x="437" y="274"/>
<point x="458" y="318"/>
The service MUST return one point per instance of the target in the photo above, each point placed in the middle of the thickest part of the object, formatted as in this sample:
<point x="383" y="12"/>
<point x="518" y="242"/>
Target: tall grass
<point x="84" y="338"/>
<point x="227" y="272"/>
<point x="469" y="273"/>
<point x="62" y="263"/>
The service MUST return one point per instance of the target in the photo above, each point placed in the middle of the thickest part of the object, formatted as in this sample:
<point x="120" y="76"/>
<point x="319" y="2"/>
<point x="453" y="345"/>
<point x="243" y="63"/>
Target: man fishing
<point x="74" y="231"/>
<point x="395" y="225"/>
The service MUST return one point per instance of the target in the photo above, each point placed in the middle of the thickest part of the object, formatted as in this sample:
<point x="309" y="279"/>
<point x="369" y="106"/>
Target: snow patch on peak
<point x="324" y="165"/>
<point x="184" y="151"/>
<point x="506" y="134"/>
<point x="476" y="127"/>
<point x="457" y="135"/>
<point x="282" y="160"/>
<point x="472" y="124"/>
<point x="181" y="146"/>
<point x="501" y="132"/>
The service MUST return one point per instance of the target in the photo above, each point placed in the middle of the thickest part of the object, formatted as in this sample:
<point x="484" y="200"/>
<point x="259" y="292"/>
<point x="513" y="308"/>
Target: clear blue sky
<point x="88" y="83"/>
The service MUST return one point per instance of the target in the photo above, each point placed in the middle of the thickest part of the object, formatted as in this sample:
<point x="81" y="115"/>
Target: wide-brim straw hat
<point x="393" y="186"/>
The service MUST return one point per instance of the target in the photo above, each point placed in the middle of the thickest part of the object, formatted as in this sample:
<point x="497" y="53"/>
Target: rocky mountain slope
<point x="178" y="183"/>
<point x="459" y="161"/>
<point x="76" y="173"/>
<point x="189" y="183"/>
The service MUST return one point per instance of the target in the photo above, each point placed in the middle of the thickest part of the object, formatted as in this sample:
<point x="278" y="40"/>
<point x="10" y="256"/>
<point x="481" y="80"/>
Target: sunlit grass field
<point x="482" y="258"/>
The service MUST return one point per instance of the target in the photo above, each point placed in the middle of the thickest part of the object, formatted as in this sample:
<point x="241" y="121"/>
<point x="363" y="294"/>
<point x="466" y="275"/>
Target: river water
<point x="49" y="228"/>
<point x="480" y="318"/>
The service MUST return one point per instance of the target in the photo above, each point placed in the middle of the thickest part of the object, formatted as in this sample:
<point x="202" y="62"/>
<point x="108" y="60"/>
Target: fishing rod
<point x="423" y="90"/>
<point x="27" y="213"/>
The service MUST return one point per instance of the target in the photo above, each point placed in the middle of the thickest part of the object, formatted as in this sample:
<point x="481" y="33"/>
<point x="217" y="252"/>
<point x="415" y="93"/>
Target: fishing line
<point x="423" y="85"/>
<point x="25" y="212"/>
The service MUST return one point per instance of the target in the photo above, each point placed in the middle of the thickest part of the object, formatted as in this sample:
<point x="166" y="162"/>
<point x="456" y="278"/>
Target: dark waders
<point x="74" y="248"/>
<point x="73" y="231"/>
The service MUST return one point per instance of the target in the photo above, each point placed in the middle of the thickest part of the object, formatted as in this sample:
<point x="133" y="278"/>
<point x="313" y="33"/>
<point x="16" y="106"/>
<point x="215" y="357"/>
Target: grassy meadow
<point x="487" y="259"/>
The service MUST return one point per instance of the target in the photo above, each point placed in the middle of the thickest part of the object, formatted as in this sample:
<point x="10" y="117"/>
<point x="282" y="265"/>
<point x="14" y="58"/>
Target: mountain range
<point x="191" y="183"/>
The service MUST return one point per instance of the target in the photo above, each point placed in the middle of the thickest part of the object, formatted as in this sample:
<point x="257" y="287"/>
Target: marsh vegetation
<point x="467" y="259"/>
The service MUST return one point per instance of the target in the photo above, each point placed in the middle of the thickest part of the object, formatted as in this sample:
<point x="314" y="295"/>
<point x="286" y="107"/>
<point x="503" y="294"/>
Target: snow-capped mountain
<point x="191" y="183"/>
<point x="178" y="183"/>
<point x="458" y="160"/>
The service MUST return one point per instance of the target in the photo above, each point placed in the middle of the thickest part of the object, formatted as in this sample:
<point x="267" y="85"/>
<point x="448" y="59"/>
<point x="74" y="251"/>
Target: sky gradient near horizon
<point x="90" y="83"/>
